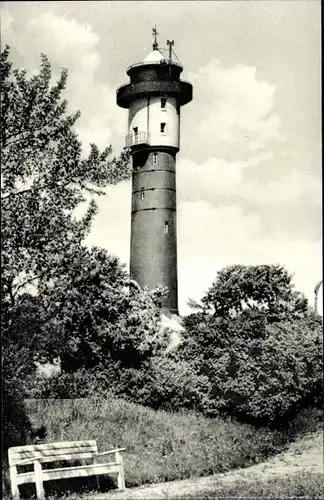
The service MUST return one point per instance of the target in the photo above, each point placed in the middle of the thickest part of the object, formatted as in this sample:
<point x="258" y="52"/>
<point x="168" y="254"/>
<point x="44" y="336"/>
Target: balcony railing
<point x="135" y="139"/>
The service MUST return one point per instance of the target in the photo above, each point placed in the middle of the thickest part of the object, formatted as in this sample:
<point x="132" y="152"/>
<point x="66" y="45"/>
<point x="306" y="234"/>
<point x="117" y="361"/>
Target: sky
<point x="249" y="177"/>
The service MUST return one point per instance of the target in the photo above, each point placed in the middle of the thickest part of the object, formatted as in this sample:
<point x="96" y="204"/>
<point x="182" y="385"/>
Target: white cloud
<point x="292" y="189"/>
<point x="214" y="180"/>
<point x="236" y="108"/>
<point x="69" y="40"/>
<point x="211" y="238"/>
<point x="74" y="46"/>
<point x="220" y="182"/>
<point x="6" y="22"/>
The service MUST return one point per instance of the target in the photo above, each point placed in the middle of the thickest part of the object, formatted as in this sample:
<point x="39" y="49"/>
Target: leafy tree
<point x="257" y="342"/>
<point x="258" y="371"/>
<point x="44" y="177"/>
<point x="98" y="314"/>
<point x="266" y="288"/>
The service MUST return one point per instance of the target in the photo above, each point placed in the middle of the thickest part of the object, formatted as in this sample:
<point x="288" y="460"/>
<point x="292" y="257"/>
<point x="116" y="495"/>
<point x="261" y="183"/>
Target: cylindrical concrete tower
<point x="153" y="97"/>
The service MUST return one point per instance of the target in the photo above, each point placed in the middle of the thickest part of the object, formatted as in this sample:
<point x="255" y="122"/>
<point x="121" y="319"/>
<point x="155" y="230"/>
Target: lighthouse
<point x="154" y="96"/>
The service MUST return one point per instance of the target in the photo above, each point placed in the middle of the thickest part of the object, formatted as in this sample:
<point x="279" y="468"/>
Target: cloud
<point x="6" y="22"/>
<point x="211" y="238"/>
<point x="215" y="180"/>
<point x="236" y="110"/>
<point x="219" y="182"/>
<point x="74" y="46"/>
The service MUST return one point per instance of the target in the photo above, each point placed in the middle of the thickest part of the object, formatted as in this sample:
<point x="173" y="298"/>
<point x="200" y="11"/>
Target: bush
<point x="259" y="372"/>
<point x="16" y="428"/>
<point x="160" y="382"/>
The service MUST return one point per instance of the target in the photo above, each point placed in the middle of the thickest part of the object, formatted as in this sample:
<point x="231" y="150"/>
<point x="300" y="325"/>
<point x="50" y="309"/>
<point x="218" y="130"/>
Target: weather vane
<point x="155" y="34"/>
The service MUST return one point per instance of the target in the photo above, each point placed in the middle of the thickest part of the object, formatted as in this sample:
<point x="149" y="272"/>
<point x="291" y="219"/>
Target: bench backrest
<point x="52" y="452"/>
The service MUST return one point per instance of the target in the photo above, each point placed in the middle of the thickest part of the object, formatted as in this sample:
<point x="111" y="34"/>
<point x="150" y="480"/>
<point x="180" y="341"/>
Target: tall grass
<point x="160" y="446"/>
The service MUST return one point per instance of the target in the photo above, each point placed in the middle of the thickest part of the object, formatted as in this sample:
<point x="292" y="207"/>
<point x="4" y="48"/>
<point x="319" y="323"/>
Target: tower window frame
<point x="163" y="102"/>
<point x="166" y="227"/>
<point x="163" y="128"/>
<point x="155" y="158"/>
<point x="142" y="193"/>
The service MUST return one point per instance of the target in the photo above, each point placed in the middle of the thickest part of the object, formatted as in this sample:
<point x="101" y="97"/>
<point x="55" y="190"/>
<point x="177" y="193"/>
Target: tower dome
<point x="155" y="56"/>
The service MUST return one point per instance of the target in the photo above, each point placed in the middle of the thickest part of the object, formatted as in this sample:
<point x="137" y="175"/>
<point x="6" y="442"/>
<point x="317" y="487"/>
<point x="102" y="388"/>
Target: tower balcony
<point x="138" y="139"/>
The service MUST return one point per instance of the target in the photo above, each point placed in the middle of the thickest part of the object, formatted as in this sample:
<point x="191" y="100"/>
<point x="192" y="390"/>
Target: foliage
<point x="258" y="371"/>
<point x="44" y="177"/>
<point x="96" y="312"/>
<point x="267" y="288"/>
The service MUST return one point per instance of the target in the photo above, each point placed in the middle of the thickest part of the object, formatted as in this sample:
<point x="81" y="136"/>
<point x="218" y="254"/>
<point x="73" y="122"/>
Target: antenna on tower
<point x="170" y="44"/>
<point x="155" y="34"/>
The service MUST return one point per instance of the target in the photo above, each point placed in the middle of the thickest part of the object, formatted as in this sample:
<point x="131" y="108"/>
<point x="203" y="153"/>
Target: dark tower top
<point x="156" y="75"/>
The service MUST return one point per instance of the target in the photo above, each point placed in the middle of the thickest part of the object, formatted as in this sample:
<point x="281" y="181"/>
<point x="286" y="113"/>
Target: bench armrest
<point x="110" y="451"/>
<point x="26" y="461"/>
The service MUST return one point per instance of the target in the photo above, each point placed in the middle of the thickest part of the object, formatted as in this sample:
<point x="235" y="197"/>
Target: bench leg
<point x="95" y="461"/>
<point x="38" y="480"/>
<point x="13" y="482"/>
<point x="120" y="475"/>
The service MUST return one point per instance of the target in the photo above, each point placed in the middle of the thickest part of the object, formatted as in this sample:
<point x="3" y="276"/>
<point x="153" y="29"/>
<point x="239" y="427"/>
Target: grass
<point x="160" y="446"/>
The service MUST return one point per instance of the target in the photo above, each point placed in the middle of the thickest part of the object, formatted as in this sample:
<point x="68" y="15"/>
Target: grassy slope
<point x="160" y="446"/>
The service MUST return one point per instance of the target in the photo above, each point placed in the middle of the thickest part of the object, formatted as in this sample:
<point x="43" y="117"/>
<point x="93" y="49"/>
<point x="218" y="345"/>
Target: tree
<point x="257" y="342"/>
<point x="98" y="315"/>
<point x="259" y="372"/>
<point x="44" y="177"/>
<point x="266" y="288"/>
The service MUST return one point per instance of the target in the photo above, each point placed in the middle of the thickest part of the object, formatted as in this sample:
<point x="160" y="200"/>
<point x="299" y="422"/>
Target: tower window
<point x="155" y="158"/>
<point x="142" y="193"/>
<point x="163" y="103"/>
<point x="135" y="130"/>
<point x="163" y="128"/>
<point x="166" y="227"/>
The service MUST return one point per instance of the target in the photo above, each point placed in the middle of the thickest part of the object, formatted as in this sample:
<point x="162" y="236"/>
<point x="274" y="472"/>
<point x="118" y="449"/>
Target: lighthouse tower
<point x="153" y="97"/>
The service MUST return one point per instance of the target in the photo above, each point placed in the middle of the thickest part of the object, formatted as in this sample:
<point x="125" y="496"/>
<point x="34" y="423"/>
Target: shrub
<point x="159" y="382"/>
<point x="258" y="372"/>
<point x="16" y="428"/>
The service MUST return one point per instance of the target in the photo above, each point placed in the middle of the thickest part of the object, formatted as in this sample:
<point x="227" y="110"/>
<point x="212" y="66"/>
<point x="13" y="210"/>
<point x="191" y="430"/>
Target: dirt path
<point x="306" y="455"/>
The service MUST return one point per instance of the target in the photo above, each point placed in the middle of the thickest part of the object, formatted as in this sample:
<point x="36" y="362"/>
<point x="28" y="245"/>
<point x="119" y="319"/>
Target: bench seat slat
<point x="52" y="453"/>
<point x="48" y="453"/>
<point x="53" y="446"/>
<point x="57" y="458"/>
<point x="80" y="471"/>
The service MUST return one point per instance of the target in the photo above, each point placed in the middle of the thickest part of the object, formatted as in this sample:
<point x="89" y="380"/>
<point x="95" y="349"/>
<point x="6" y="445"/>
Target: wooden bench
<point x="61" y="451"/>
